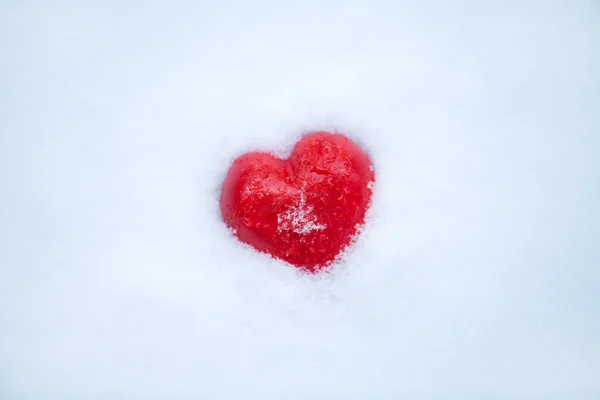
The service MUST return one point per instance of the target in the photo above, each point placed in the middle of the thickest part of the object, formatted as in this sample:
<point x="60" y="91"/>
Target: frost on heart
<point x="299" y="218"/>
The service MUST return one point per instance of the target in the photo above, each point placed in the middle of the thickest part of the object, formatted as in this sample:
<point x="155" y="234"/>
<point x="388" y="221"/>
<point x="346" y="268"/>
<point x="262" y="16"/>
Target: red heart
<point x="306" y="209"/>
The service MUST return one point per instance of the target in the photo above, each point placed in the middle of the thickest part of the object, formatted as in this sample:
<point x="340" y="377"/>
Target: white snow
<point x="476" y="276"/>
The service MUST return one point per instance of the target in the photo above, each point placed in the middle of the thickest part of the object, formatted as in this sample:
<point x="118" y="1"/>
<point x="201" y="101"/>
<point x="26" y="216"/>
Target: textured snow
<point x="476" y="276"/>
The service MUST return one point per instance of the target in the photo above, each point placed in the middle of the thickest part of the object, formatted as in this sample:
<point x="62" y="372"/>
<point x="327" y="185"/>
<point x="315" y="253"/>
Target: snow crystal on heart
<point x="299" y="219"/>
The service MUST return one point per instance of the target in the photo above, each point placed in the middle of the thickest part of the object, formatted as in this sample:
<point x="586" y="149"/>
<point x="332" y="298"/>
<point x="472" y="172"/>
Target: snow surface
<point x="477" y="275"/>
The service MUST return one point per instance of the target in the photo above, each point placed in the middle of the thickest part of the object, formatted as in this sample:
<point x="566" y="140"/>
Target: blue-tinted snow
<point x="477" y="275"/>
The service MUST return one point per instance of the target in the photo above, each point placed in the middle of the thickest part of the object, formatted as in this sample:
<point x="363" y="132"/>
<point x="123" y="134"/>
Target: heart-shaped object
<point x="304" y="210"/>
